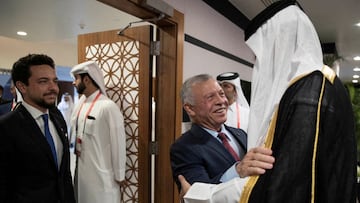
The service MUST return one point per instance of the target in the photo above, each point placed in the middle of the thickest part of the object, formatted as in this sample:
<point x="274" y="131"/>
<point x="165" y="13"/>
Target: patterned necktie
<point x="227" y="145"/>
<point x="49" y="137"/>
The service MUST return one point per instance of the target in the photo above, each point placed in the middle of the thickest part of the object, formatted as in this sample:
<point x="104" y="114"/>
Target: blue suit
<point x="200" y="157"/>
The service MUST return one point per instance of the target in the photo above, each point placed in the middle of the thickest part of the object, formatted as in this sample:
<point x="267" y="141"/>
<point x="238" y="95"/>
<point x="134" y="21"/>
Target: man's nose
<point x="54" y="85"/>
<point x="221" y="99"/>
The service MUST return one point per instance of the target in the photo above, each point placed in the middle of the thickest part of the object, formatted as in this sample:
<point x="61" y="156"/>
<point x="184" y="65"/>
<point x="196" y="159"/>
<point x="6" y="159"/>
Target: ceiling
<point x="63" y="20"/>
<point x="58" y="20"/>
<point x="334" y="21"/>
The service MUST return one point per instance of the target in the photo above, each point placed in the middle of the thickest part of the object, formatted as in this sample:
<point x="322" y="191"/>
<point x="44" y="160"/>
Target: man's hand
<point x="185" y="186"/>
<point x="255" y="162"/>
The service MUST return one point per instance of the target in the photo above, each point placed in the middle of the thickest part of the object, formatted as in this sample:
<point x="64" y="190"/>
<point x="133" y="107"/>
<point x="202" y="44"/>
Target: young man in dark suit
<point x="34" y="151"/>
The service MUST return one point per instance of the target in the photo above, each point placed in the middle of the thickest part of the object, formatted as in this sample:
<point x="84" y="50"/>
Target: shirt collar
<point x="215" y="133"/>
<point x="35" y="113"/>
<point x="92" y="96"/>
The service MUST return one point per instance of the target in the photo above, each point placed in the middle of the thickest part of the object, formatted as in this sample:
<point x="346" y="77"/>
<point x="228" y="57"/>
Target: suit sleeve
<point x="185" y="160"/>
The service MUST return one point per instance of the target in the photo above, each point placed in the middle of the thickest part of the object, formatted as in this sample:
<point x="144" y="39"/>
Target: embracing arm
<point x="187" y="162"/>
<point x="255" y="162"/>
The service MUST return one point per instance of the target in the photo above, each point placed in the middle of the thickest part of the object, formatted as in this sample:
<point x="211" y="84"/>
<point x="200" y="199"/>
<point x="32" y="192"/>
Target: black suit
<point x="27" y="169"/>
<point x="200" y="157"/>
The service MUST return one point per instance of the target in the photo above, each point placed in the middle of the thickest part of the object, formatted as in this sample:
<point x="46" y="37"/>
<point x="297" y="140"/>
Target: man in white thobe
<point x="100" y="145"/>
<point x="66" y="107"/>
<point x="238" y="110"/>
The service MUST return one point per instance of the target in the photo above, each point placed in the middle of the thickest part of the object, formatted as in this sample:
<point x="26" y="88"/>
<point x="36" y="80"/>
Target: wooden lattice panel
<point x="120" y="65"/>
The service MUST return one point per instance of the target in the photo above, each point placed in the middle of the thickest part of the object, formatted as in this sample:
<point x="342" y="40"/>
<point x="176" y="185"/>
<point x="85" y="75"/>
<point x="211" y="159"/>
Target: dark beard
<point x="80" y="88"/>
<point x="45" y="105"/>
<point x="42" y="103"/>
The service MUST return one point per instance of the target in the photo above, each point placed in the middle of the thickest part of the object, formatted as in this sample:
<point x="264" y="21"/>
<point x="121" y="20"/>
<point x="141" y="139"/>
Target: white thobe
<point x="229" y="192"/>
<point x="66" y="109"/>
<point x="236" y="112"/>
<point x="103" y="151"/>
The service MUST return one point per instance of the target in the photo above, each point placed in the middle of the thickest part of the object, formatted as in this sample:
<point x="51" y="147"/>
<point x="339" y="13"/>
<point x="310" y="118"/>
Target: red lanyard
<point x="238" y="115"/>
<point x="91" y="106"/>
<point x="88" y="111"/>
<point x="13" y="104"/>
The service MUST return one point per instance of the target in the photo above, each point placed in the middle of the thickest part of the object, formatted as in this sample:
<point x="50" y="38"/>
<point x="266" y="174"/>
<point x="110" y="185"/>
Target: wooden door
<point x="124" y="61"/>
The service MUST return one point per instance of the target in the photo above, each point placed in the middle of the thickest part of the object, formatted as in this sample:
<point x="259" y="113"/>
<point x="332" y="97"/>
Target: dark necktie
<point x="227" y="145"/>
<point x="49" y="137"/>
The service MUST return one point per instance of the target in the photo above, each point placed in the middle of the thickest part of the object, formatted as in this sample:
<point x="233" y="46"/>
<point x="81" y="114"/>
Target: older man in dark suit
<point x="201" y="154"/>
<point x="34" y="150"/>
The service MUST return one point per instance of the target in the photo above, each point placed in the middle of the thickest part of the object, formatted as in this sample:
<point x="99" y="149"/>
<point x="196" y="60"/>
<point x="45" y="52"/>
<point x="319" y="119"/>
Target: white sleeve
<point x="118" y="142"/>
<point x="228" y="192"/>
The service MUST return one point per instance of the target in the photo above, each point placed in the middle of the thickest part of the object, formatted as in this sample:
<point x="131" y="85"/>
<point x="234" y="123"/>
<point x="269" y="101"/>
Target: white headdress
<point x="91" y="68"/>
<point x="286" y="45"/>
<point x="234" y="79"/>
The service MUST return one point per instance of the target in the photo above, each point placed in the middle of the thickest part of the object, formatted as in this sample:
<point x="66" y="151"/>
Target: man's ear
<point x="86" y="79"/>
<point x="20" y="86"/>
<point x="189" y="110"/>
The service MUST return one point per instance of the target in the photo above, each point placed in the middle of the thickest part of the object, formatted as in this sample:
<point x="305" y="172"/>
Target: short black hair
<point x="21" y="68"/>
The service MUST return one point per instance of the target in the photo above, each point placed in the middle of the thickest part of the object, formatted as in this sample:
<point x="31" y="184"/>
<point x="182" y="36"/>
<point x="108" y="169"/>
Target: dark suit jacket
<point x="5" y="108"/>
<point x="27" y="169"/>
<point x="200" y="157"/>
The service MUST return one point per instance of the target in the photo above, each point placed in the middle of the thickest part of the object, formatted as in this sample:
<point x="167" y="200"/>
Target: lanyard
<point x="13" y="105"/>
<point x="88" y="111"/>
<point x="238" y="115"/>
<point x="79" y="137"/>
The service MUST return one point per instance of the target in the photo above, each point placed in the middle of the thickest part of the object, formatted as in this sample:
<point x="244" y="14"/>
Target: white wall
<point x="64" y="53"/>
<point x="204" y="23"/>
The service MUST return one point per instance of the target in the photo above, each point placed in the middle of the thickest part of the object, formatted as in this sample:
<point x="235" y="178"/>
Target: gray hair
<point x="186" y="93"/>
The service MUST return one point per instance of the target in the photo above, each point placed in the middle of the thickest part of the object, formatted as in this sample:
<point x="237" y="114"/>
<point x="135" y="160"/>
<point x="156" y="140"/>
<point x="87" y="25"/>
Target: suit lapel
<point x="62" y="133"/>
<point x="34" y="132"/>
<point x="60" y="130"/>
<point x="210" y="142"/>
<point x="241" y="138"/>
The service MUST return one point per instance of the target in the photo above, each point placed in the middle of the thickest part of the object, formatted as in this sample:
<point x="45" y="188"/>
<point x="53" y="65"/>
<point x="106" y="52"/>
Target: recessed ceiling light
<point x="356" y="76"/>
<point x="357" y="24"/>
<point x="21" y="33"/>
<point x="355" y="81"/>
<point x="357" y="58"/>
<point x="356" y="69"/>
